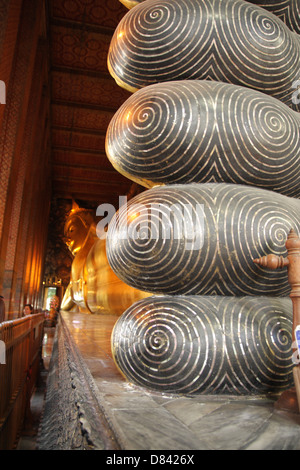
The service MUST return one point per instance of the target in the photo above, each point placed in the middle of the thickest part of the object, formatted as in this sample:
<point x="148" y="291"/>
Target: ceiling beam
<point x="77" y="130"/>
<point x="85" y="105"/>
<point x="79" y="71"/>
<point x="81" y="26"/>
<point x="76" y="173"/>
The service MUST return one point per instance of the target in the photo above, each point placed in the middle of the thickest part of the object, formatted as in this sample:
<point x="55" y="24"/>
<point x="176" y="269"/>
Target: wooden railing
<point x="18" y="375"/>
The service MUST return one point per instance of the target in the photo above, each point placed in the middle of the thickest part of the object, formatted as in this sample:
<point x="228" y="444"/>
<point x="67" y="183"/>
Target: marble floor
<point x="145" y="420"/>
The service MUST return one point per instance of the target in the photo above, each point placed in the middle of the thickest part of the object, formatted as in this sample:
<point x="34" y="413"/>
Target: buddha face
<point x="75" y="233"/>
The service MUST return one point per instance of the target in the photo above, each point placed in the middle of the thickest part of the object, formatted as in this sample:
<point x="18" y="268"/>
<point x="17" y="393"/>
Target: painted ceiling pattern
<point x="84" y="98"/>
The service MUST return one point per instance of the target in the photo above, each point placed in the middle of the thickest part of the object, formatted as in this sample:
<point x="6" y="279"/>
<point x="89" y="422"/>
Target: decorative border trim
<point x="73" y="417"/>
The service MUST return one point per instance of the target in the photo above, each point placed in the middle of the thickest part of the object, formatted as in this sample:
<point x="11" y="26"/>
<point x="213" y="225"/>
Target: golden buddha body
<point x="93" y="287"/>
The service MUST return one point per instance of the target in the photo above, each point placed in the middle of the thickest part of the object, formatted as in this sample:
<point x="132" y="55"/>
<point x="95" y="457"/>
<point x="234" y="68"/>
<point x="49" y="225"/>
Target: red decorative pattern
<point x="79" y="49"/>
<point x="106" y="13"/>
<point x="88" y="90"/>
<point x="77" y="140"/>
<point x="88" y="174"/>
<point x="75" y="158"/>
<point x="15" y="104"/>
<point x="80" y="118"/>
<point x="84" y="96"/>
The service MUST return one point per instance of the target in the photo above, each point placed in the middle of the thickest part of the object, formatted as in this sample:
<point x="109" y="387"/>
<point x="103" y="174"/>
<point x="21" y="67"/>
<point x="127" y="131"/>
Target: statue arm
<point x="67" y="301"/>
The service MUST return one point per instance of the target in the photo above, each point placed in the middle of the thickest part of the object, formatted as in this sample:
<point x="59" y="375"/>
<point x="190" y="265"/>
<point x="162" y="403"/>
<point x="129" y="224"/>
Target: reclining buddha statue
<point x="93" y="287"/>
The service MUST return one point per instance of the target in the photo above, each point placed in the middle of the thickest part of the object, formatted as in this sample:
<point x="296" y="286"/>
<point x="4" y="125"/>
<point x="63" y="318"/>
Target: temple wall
<point x="25" y="187"/>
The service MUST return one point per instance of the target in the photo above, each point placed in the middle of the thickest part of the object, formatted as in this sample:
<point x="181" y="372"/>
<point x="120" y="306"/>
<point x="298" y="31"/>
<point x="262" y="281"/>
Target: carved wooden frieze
<point x="226" y="40"/>
<point x="208" y="345"/>
<point x="201" y="131"/>
<point x="72" y="417"/>
<point x="202" y="239"/>
<point x="81" y="89"/>
<point x="100" y="13"/>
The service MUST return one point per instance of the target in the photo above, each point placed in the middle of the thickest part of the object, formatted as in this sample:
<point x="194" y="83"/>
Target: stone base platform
<point x="89" y="405"/>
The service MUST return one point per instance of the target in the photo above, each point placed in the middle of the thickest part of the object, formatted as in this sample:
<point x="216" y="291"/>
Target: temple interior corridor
<point x="149" y="225"/>
<point x="136" y="419"/>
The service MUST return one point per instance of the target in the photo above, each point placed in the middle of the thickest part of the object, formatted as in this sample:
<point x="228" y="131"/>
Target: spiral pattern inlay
<point x="200" y="131"/>
<point x="202" y="239"/>
<point x="212" y="128"/>
<point x="287" y="10"/>
<point x="199" y="344"/>
<point x="225" y="40"/>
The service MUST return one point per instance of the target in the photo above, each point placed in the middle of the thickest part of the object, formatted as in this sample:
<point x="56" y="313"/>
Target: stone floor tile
<point x="154" y="429"/>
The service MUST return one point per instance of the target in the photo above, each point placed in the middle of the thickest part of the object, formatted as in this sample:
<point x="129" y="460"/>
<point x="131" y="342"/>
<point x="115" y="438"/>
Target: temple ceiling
<point x="84" y="98"/>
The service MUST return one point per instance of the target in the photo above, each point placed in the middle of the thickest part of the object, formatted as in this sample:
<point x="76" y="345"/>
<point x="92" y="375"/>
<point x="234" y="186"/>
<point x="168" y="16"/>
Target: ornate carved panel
<point x="73" y="418"/>
<point x="106" y="13"/>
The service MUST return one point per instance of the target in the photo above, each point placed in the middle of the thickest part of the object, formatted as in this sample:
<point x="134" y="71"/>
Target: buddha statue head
<point x="80" y="225"/>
